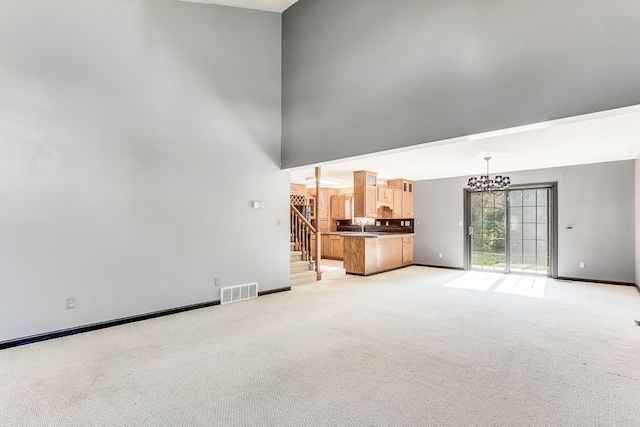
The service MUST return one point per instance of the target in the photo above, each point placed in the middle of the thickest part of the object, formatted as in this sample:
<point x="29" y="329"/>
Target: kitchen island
<point x="371" y="253"/>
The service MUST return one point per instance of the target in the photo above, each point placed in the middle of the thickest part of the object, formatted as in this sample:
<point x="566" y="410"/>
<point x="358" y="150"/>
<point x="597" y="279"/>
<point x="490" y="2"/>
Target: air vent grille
<point x="238" y="293"/>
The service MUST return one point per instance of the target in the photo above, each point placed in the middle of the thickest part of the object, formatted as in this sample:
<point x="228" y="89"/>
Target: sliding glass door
<point x="509" y="231"/>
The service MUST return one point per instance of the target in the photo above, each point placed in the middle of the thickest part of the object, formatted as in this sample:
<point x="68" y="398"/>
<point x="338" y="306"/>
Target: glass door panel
<point x="488" y="239"/>
<point x="529" y="231"/>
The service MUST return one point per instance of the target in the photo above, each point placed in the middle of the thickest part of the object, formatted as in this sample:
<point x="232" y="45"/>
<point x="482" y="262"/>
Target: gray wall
<point x="371" y="75"/>
<point x="133" y="136"/>
<point x="596" y="199"/>
<point x="637" y="218"/>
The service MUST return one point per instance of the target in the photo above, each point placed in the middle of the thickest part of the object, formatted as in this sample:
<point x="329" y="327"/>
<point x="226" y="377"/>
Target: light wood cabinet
<point x="322" y="199"/>
<point x="298" y="195"/>
<point x="325" y="245"/>
<point x="336" y="247"/>
<point x="407" y="196"/>
<point x="313" y="246"/>
<point x="385" y="196"/>
<point x="365" y="195"/>
<point x="341" y="207"/>
<point x="374" y="254"/>
<point x="298" y="189"/>
<point x="332" y="246"/>
<point x="397" y="202"/>
<point x="385" y="206"/>
<point x="407" y="250"/>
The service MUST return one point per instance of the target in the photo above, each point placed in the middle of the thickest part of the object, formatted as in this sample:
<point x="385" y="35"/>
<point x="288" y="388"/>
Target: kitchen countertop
<point x="368" y="234"/>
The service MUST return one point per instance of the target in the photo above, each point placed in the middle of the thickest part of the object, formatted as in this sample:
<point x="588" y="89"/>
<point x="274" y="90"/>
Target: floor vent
<point x="238" y="293"/>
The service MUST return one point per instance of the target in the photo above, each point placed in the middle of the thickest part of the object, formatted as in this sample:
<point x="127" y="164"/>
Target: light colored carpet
<point x="412" y="347"/>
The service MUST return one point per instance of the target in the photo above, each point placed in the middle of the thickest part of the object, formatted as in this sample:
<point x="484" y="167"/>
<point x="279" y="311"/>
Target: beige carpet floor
<point x="412" y="347"/>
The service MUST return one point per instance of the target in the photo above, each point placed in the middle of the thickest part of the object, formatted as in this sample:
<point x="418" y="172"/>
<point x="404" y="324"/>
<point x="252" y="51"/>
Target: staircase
<point x="301" y="271"/>
<point x="303" y="266"/>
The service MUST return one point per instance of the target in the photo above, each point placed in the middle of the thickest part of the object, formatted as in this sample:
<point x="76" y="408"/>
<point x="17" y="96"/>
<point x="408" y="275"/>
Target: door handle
<point x="470" y="230"/>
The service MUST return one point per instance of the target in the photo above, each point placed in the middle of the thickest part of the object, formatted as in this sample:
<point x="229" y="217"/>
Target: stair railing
<point x="301" y="232"/>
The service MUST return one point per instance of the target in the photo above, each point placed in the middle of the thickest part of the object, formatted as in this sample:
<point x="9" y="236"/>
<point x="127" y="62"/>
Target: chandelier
<point x="485" y="184"/>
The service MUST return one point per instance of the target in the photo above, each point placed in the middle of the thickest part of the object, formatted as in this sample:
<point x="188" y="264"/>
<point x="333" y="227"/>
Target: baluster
<point x="292" y="228"/>
<point x="299" y="234"/>
<point x="304" y="242"/>
<point x="304" y="248"/>
<point x="295" y="232"/>
<point x="308" y="236"/>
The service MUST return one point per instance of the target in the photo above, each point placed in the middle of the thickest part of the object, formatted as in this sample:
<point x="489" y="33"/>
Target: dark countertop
<point x="369" y="234"/>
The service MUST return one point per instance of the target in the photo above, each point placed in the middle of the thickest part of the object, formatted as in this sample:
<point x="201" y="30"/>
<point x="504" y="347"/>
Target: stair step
<point x="296" y="256"/>
<point x="302" y="278"/>
<point x="299" y="266"/>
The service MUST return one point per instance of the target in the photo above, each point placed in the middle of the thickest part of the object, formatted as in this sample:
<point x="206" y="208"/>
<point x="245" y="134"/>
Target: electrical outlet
<point x="217" y="281"/>
<point x="439" y="255"/>
<point x="581" y="265"/>
<point x="71" y="303"/>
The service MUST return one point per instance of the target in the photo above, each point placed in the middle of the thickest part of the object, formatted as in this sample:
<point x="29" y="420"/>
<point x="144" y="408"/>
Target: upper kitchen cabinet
<point x="407" y="196"/>
<point x="322" y="199"/>
<point x="398" y="196"/>
<point x="365" y="194"/>
<point x="385" y="203"/>
<point x="341" y="207"/>
<point x="298" y="194"/>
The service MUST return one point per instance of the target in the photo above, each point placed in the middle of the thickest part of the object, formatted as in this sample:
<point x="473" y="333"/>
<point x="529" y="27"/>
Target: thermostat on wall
<point x="257" y="205"/>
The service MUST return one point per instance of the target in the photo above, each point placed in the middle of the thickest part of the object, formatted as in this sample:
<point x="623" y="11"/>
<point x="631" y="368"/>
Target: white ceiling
<point x="600" y="137"/>
<point x="268" y="5"/>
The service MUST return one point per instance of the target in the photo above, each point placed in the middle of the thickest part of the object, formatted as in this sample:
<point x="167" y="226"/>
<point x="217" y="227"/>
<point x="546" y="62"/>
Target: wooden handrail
<point x="304" y="220"/>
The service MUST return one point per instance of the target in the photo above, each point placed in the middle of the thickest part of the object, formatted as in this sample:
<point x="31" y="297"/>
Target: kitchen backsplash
<point x="377" y="225"/>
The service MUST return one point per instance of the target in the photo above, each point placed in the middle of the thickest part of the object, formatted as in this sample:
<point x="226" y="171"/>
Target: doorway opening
<point x="512" y="231"/>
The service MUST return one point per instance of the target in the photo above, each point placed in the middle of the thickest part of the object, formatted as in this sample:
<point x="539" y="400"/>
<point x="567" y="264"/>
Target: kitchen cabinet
<point x="385" y="206"/>
<point x="313" y="246"/>
<point x="298" y="195"/>
<point x="336" y="247"/>
<point x="407" y="195"/>
<point x="365" y="194"/>
<point x="298" y="189"/>
<point x="332" y="246"/>
<point x="340" y="209"/>
<point x="397" y="203"/>
<point x="322" y="199"/>
<point x="325" y="246"/>
<point x="371" y="254"/>
<point x="385" y="196"/>
<point x="407" y="250"/>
